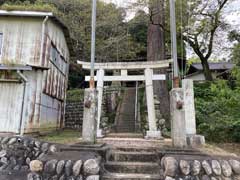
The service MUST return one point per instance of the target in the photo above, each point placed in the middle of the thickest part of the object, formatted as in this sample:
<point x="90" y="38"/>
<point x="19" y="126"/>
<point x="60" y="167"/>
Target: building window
<point x="54" y="53"/>
<point x="1" y="42"/>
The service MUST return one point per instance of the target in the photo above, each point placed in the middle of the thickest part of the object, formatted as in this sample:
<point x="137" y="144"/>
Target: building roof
<point x="42" y="15"/>
<point x="219" y="66"/>
<point x="215" y="66"/>
<point x="15" y="67"/>
<point x="21" y="67"/>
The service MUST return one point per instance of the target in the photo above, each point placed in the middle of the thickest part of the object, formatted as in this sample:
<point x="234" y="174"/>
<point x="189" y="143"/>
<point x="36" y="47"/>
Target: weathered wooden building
<point x="34" y="60"/>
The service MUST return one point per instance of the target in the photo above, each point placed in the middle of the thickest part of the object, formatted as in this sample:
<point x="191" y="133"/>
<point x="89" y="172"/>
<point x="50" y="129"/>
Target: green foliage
<point x="234" y="36"/>
<point x="75" y="95"/>
<point x="217" y="110"/>
<point x="28" y="6"/>
<point x="235" y="54"/>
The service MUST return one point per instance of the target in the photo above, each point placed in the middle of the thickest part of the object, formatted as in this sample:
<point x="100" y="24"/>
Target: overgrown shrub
<point x="218" y="109"/>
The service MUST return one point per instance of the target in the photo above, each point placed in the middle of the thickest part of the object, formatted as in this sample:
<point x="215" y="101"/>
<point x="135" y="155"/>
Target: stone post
<point x="193" y="140"/>
<point x="153" y="131"/>
<point x="89" y="116"/>
<point x="100" y="85"/>
<point x="178" y="127"/>
<point x="190" y="117"/>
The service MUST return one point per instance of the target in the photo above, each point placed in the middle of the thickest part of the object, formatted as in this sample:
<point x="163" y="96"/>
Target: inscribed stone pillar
<point x="90" y="116"/>
<point x="153" y="131"/>
<point x="100" y="85"/>
<point x="178" y="128"/>
<point x="190" y="116"/>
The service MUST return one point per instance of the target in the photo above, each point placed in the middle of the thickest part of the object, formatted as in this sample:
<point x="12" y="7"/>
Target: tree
<point x="234" y="36"/>
<point x="156" y="51"/>
<point x="205" y="18"/>
<point x="138" y="30"/>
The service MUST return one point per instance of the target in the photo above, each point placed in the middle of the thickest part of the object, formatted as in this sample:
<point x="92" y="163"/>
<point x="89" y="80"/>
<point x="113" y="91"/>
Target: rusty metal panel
<point x="30" y="109"/>
<point x="10" y="106"/>
<point x="21" y="40"/>
<point x="56" y="34"/>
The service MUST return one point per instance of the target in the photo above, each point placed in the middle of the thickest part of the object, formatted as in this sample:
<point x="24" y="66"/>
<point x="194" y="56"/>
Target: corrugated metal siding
<point x="57" y="37"/>
<point x="46" y="90"/>
<point x="21" y="40"/>
<point x="10" y="106"/>
<point x="50" y="112"/>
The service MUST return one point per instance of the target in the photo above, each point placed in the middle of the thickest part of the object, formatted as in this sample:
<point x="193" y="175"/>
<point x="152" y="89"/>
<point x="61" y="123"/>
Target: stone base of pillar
<point x="154" y="135"/>
<point x="195" y="141"/>
<point x="100" y="133"/>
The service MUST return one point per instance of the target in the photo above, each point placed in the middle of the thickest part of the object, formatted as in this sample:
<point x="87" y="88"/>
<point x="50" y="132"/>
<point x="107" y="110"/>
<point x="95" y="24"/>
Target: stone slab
<point x="154" y="135"/>
<point x="195" y="141"/>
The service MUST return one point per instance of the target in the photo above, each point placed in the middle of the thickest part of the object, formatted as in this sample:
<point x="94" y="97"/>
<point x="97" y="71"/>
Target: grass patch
<point x="62" y="137"/>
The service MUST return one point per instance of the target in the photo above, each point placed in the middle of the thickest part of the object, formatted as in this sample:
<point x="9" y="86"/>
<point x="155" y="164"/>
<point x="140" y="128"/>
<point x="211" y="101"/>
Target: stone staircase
<point x="131" y="164"/>
<point x="126" y="116"/>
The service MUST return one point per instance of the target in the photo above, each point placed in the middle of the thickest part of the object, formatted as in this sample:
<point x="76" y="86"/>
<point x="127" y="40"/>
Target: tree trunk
<point x="156" y="52"/>
<point x="206" y="69"/>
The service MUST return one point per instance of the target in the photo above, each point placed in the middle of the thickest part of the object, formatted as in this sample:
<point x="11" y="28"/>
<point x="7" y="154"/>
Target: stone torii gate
<point x="148" y="77"/>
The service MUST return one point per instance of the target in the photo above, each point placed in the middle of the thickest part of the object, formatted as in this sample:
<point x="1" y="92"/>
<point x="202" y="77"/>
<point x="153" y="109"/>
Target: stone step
<point x="134" y="149"/>
<point x="126" y="126"/>
<point x="119" y="176"/>
<point x="126" y="122"/>
<point x="125" y="130"/>
<point x="125" y="135"/>
<point x="132" y="167"/>
<point x="133" y="156"/>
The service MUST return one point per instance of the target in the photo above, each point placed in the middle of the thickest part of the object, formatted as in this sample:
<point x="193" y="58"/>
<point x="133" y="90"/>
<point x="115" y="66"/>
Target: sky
<point x="231" y="15"/>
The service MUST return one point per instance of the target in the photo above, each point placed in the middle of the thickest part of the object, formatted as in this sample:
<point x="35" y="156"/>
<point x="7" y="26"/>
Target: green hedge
<point x="218" y="110"/>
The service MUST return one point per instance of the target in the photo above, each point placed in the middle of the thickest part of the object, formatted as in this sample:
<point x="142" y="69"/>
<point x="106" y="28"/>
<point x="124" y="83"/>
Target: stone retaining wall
<point x="75" y="108"/>
<point x="65" y="169"/>
<point x="205" y="169"/>
<point x="44" y="161"/>
<point x="16" y="153"/>
<point x="74" y="114"/>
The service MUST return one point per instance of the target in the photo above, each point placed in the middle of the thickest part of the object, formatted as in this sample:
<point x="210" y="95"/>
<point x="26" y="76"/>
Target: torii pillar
<point x="152" y="132"/>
